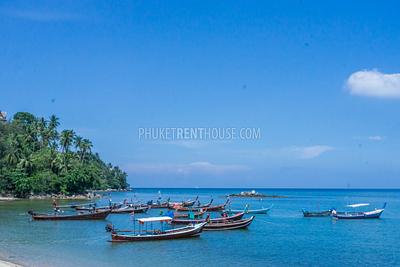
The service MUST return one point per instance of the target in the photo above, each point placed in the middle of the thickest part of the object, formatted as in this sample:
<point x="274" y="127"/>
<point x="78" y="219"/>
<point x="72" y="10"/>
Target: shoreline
<point x="8" y="198"/>
<point x="6" y="263"/>
<point x="90" y="195"/>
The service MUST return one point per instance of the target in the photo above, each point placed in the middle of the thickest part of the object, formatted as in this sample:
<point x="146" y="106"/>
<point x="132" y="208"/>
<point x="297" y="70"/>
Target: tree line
<point x="35" y="158"/>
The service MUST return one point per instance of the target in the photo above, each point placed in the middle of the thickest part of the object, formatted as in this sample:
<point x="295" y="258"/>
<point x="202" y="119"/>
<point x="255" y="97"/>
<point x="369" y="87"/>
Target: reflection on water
<point x="281" y="238"/>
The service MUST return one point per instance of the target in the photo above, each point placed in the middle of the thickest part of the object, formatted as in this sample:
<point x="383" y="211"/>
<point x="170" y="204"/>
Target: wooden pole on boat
<point x="133" y="218"/>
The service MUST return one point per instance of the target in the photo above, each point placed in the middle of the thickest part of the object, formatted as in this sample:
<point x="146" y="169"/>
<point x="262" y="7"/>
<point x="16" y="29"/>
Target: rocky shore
<point x="66" y="197"/>
<point x="7" y="198"/>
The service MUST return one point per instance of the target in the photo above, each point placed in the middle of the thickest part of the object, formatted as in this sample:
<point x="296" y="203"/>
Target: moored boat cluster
<point x="194" y="216"/>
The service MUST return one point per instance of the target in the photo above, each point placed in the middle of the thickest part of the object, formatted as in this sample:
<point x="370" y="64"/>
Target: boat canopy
<point x="358" y="205"/>
<point x="155" y="219"/>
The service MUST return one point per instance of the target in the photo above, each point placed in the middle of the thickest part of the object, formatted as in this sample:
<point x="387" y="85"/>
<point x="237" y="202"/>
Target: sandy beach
<point x="8" y="264"/>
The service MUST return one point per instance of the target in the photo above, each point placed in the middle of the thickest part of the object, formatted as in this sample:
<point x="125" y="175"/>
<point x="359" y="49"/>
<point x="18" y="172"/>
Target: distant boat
<point x="356" y="215"/>
<point x="189" y="203"/>
<point x="249" y="211"/>
<point x="129" y="209"/>
<point x="74" y="205"/>
<point x="161" y="205"/>
<point x="229" y="225"/>
<point x="218" y="207"/>
<point x="158" y="204"/>
<point x="324" y="213"/>
<point x="91" y="207"/>
<point x="188" y="215"/>
<point x="235" y="217"/>
<point x="179" y="207"/>
<point x="149" y="235"/>
<point x="98" y="215"/>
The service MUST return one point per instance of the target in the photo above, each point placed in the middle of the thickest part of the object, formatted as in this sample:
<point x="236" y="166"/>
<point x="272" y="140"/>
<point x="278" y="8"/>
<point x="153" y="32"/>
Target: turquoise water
<point x="281" y="238"/>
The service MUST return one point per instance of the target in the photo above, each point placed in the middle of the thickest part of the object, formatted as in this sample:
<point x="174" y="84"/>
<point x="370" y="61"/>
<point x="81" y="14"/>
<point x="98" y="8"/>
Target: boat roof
<point x="155" y="219"/>
<point x="358" y="205"/>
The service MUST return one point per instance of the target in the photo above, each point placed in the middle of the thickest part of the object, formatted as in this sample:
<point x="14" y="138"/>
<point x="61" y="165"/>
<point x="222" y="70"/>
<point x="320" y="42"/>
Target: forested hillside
<point x="35" y="158"/>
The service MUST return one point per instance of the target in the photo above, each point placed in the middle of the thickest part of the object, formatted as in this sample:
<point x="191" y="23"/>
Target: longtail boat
<point x="248" y="211"/>
<point x="207" y="207"/>
<point x="158" y="205"/>
<point x="354" y="215"/>
<point x="189" y="203"/>
<point x="74" y="205"/>
<point x="129" y="209"/>
<point x="145" y="235"/>
<point x="97" y="215"/>
<point x="235" y="217"/>
<point x="193" y="208"/>
<point x="90" y="207"/>
<point x="199" y="214"/>
<point x="218" y="207"/>
<point x="229" y="225"/>
<point x="323" y="213"/>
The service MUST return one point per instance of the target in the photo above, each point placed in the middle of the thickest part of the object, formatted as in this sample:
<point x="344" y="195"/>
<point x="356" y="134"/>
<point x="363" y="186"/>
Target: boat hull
<point x="100" y="215"/>
<point x="207" y="207"/>
<point x="129" y="210"/>
<point x="85" y="208"/>
<point x="235" y="217"/>
<point x="184" y="232"/>
<point x="325" y="213"/>
<point x="159" y="206"/>
<point x="229" y="225"/>
<point x="216" y="208"/>
<point x="259" y="211"/>
<point x="186" y="215"/>
<point x="358" y="215"/>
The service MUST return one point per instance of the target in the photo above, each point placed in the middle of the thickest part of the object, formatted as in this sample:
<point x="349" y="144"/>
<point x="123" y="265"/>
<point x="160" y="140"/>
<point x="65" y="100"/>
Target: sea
<point x="283" y="237"/>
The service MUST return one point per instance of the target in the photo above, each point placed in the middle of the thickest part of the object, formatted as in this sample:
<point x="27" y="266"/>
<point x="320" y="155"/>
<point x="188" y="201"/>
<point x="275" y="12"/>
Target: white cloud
<point x="309" y="152"/>
<point x="373" y="83"/>
<point x="190" y="168"/>
<point x="376" y="138"/>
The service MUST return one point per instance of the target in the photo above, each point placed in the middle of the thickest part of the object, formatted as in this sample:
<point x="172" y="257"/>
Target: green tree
<point x="52" y="132"/>
<point x="30" y="161"/>
<point x="66" y="139"/>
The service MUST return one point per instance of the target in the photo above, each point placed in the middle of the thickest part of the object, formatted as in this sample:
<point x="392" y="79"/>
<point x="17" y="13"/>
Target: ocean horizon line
<point x="275" y="188"/>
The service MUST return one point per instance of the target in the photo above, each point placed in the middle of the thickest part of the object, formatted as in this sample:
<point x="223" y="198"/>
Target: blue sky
<point x="321" y="81"/>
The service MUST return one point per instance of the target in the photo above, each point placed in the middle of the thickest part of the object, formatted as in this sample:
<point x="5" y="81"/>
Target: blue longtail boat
<point x="374" y="214"/>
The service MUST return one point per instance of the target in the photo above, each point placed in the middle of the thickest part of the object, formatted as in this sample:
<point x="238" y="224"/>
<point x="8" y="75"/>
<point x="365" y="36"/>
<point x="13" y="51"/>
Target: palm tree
<point x="54" y="122"/>
<point x="12" y="157"/>
<point x="78" y="143"/>
<point x="30" y="138"/>
<point x="66" y="138"/>
<point x="83" y="147"/>
<point x="14" y="151"/>
<point x="42" y="132"/>
<point x="57" y="164"/>
<point x="86" y="148"/>
<point x="52" y="132"/>
<point x="26" y="164"/>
